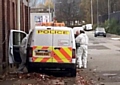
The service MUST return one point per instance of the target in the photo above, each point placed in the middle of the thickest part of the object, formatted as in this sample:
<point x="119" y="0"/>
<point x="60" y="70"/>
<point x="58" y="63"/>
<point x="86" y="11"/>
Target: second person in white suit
<point x="82" y="52"/>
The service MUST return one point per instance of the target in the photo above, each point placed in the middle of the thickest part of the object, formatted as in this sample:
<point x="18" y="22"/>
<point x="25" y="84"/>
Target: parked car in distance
<point x="100" y="31"/>
<point x="88" y="27"/>
<point x="75" y="29"/>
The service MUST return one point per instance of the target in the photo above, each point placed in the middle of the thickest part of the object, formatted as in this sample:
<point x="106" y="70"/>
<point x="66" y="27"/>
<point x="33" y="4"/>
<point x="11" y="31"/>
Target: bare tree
<point x="67" y="10"/>
<point x="102" y="8"/>
<point x="32" y="3"/>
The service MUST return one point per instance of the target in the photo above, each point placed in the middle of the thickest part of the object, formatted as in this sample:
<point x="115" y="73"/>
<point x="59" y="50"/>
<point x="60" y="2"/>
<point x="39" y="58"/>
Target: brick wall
<point x="8" y="20"/>
<point x="24" y="18"/>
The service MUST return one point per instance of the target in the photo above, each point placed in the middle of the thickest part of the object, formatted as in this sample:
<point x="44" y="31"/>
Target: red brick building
<point x="8" y="21"/>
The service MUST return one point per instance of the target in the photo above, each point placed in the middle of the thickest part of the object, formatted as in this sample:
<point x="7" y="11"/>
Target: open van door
<point x="15" y="39"/>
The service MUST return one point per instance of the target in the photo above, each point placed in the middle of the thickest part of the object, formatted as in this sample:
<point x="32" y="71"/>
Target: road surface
<point x="103" y="60"/>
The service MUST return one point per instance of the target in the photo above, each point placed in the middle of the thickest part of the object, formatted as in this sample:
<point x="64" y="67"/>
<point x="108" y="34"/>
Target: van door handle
<point x="57" y="48"/>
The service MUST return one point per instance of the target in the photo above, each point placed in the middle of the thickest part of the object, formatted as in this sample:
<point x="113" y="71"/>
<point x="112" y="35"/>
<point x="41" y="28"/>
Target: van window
<point x="42" y="39"/>
<point x="17" y="38"/>
<point x="62" y="39"/>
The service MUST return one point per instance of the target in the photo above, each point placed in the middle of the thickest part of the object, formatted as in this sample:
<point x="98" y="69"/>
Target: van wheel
<point x="104" y="35"/>
<point x="95" y="35"/>
<point x="73" y="72"/>
<point x="30" y="70"/>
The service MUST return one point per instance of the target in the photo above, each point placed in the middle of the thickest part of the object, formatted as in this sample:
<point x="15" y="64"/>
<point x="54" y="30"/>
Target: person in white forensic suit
<point x="23" y="56"/>
<point x="82" y="52"/>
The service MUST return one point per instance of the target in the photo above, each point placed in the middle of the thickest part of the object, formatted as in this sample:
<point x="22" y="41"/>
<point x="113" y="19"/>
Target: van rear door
<point x="62" y="45"/>
<point x="42" y="46"/>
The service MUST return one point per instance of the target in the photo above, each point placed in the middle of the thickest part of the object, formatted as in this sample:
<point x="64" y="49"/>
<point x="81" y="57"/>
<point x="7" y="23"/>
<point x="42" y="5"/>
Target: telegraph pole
<point x="49" y="12"/>
<point x="18" y="14"/>
<point x="54" y="10"/>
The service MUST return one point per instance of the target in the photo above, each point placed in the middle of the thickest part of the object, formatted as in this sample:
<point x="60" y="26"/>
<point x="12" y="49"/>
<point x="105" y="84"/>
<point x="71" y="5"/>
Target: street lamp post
<point x="91" y="12"/>
<point x="108" y="12"/>
<point x="114" y="8"/>
<point x="97" y="13"/>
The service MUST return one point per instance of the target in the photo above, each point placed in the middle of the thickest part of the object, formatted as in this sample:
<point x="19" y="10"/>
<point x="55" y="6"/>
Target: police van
<point x="51" y="47"/>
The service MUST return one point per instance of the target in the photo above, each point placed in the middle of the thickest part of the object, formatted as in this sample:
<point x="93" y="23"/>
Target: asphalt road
<point x="103" y="60"/>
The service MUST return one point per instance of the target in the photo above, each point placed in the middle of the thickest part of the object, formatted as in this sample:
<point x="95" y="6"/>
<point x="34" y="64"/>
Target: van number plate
<point x="42" y="54"/>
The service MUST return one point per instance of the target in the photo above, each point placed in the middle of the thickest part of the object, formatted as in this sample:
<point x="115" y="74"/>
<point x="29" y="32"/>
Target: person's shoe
<point x="85" y="67"/>
<point x="79" y="67"/>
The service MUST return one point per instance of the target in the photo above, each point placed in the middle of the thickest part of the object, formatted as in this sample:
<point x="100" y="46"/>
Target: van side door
<point x="15" y="40"/>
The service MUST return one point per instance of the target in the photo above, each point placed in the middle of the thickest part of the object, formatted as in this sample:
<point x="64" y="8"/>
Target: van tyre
<point x="95" y="35"/>
<point x="104" y="35"/>
<point x="73" y="72"/>
<point x="30" y="70"/>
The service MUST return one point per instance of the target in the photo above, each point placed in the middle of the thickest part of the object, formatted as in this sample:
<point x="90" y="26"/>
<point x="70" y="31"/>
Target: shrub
<point x="112" y="26"/>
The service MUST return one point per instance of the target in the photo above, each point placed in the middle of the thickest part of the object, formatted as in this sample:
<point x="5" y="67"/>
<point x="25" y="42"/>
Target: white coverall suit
<point x="82" y="51"/>
<point x="23" y="54"/>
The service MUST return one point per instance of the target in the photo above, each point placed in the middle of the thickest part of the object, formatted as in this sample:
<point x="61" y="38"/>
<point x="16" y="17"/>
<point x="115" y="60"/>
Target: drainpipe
<point x="28" y="3"/>
<point x="18" y="14"/>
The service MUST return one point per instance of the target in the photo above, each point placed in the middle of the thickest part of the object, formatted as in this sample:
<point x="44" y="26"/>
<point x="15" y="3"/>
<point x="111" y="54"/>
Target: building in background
<point x="8" y="21"/>
<point x="39" y="15"/>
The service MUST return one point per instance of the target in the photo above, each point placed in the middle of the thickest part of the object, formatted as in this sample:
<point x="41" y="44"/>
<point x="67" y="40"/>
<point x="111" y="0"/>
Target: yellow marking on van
<point x="65" y="32"/>
<point x="63" y="58"/>
<point x="68" y="51"/>
<point x="54" y="60"/>
<point x="38" y="60"/>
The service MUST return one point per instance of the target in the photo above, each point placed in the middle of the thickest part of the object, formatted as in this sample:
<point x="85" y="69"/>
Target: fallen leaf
<point x="29" y="84"/>
<point x="99" y="79"/>
<point x="20" y="77"/>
